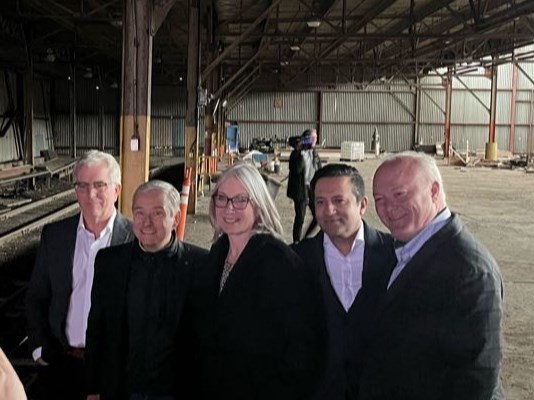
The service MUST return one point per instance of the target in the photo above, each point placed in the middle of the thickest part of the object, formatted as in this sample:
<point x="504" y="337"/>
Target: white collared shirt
<point x="345" y="272"/>
<point x="82" y="279"/>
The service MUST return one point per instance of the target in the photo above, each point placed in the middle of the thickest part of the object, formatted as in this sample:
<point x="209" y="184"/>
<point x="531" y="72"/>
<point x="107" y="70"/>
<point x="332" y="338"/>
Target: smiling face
<point x="230" y="220"/>
<point x="96" y="195"/>
<point x="338" y="212"/>
<point x="406" y="199"/>
<point x="153" y="221"/>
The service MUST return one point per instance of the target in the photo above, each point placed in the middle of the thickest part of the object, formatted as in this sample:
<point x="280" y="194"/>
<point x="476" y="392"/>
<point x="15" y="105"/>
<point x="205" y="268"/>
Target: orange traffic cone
<point x="184" y="199"/>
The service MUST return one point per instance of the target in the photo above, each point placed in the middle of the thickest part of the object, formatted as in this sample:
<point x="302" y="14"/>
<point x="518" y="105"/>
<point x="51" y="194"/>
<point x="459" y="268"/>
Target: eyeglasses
<point x="99" y="186"/>
<point x="238" y="202"/>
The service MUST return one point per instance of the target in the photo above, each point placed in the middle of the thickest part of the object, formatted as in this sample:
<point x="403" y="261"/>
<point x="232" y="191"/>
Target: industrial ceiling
<point x="270" y="44"/>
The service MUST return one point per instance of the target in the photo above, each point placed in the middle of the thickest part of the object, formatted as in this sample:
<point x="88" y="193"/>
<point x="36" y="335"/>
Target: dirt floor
<point x="498" y="207"/>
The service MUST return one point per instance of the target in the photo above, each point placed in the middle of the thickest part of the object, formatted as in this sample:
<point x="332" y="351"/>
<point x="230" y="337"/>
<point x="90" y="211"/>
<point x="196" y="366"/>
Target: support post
<point x="448" y="104"/>
<point x="136" y="95"/>
<point x="513" y="101"/>
<point x="29" y="148"/>
<point x="191" y="115"/>
<point x="491" y="146"/>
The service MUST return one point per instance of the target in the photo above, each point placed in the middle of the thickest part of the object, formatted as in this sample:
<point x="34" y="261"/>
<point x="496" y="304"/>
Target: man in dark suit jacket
<point x="58" y="298"/>
<point x="437" y="333"/>
<point x="352" y="263"/>
<point x="303" y="163"/>
<point x="133" y="346"/>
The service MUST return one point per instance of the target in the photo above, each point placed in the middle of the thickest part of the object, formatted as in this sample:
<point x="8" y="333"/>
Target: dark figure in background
<point x="258" y="331"/>
<point x="352" y="263"/>
<point x="303" y="163"/>
<point x="437" y="331"/>
<point x="58" y="298"/>
<point x="133" y="351"/>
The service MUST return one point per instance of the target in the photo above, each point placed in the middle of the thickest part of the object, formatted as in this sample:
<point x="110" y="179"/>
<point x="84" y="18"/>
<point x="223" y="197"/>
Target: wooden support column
<point x="191" y="115"/>
<point x="136" y="95"/>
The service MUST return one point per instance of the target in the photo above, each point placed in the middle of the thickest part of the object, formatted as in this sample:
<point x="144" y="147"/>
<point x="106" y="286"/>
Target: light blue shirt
<point x="408" y="250"/>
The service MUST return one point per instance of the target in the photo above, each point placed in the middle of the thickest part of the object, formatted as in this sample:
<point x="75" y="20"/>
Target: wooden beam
<point x="160" y="12"/>
<point x="136" y="95"/>
<point x="191" y="114"/>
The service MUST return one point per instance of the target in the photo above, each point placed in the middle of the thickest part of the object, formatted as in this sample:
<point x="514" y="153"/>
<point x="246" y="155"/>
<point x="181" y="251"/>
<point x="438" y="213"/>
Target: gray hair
<point x="93" y="157"/>
<point x="170" y="194"/>
<point x="267" y="217"/>
<point x="426" y="163"/>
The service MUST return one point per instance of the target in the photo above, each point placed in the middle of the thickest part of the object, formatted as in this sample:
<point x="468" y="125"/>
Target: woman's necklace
<point x="225" y="274"/>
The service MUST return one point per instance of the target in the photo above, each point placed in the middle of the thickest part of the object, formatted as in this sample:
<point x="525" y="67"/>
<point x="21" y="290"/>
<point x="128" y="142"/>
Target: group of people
<point x="119" y="310"/>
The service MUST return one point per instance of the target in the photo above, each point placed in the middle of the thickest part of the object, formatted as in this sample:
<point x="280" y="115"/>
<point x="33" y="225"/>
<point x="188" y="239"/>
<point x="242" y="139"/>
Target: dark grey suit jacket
<point x="50" y="288"/>
<point x="348" y="331"/>
<point x="438" y="329"/>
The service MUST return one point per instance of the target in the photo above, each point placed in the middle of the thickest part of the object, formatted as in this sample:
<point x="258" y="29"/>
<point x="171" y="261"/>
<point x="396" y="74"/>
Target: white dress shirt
<point x="82" y="279"/>
<point x="345" y="272"/>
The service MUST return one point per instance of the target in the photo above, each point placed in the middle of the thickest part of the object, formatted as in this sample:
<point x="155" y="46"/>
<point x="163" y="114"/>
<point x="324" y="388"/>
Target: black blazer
<point x="437" y="332"/>
<point x="348" y="332"/>
<point x="106" y="353"/>
<point x="50" y="288"/>
<point x="261" y="338"/>
<point x="296" y="187"/>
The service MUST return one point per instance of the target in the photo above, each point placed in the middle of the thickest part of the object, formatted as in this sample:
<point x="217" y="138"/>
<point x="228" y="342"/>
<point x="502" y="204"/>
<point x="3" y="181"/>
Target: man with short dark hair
<point x="58" y="298"/>
<point x="352" y="263"/>
<point x="140" y="288"/>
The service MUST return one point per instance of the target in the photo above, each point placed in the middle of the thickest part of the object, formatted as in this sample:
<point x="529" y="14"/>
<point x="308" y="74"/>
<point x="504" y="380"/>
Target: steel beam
<point x="236" y="42"/>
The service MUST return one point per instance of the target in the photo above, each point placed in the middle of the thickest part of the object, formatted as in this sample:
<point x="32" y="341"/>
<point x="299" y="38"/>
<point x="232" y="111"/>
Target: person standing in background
<point x="303" y="163"/>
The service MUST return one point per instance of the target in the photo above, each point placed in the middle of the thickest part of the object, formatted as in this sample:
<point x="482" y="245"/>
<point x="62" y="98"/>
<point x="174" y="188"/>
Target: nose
<point x="147" y="221"/>
<point x="329" y="208"/>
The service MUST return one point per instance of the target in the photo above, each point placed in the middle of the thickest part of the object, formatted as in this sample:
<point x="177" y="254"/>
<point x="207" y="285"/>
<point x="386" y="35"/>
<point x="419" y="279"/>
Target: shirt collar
<point x="410" y="248"/>
<point x="358" y="240"/>
<point x="107" y="229"/>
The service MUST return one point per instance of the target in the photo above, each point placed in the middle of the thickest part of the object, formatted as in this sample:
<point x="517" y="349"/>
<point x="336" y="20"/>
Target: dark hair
<point x="335" y="170"/>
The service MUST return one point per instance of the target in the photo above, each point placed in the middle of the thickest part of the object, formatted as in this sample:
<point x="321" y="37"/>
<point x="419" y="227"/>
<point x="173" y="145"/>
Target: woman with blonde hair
<point x="257" y="325"/>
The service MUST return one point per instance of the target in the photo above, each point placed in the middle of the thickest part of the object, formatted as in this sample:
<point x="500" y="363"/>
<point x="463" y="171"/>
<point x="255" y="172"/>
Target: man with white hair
<point x="138" y="299"/>
<point x="58" y="298"/>
<point x="437" y="331"/>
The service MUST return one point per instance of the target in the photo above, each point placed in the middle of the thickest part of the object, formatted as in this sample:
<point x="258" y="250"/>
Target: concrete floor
<point x="498" y="207"/>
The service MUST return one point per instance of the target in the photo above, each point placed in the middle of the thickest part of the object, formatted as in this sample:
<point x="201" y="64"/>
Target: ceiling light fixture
<point x="295" y="47"/>
<point x="284" y="63"/>
<point x="314" y="23"/>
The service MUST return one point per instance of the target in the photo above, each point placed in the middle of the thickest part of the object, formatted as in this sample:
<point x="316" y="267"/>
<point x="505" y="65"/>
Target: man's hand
<point x="93" y="397"/>
<point x="10" y="385"/>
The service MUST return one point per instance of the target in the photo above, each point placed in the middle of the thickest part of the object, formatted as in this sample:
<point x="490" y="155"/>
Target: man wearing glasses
<point x="59" y="293"/>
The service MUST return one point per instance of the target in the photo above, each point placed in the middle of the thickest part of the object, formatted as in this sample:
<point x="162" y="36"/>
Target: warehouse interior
<point x="161" y="84"/>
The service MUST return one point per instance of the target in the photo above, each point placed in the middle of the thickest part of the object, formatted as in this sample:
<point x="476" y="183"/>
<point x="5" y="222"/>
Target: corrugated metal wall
<point x="391" y="108"/>
<point x="9" y="150"/>
<point x="167" y="124"/>
<point x="274" y="114"/>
